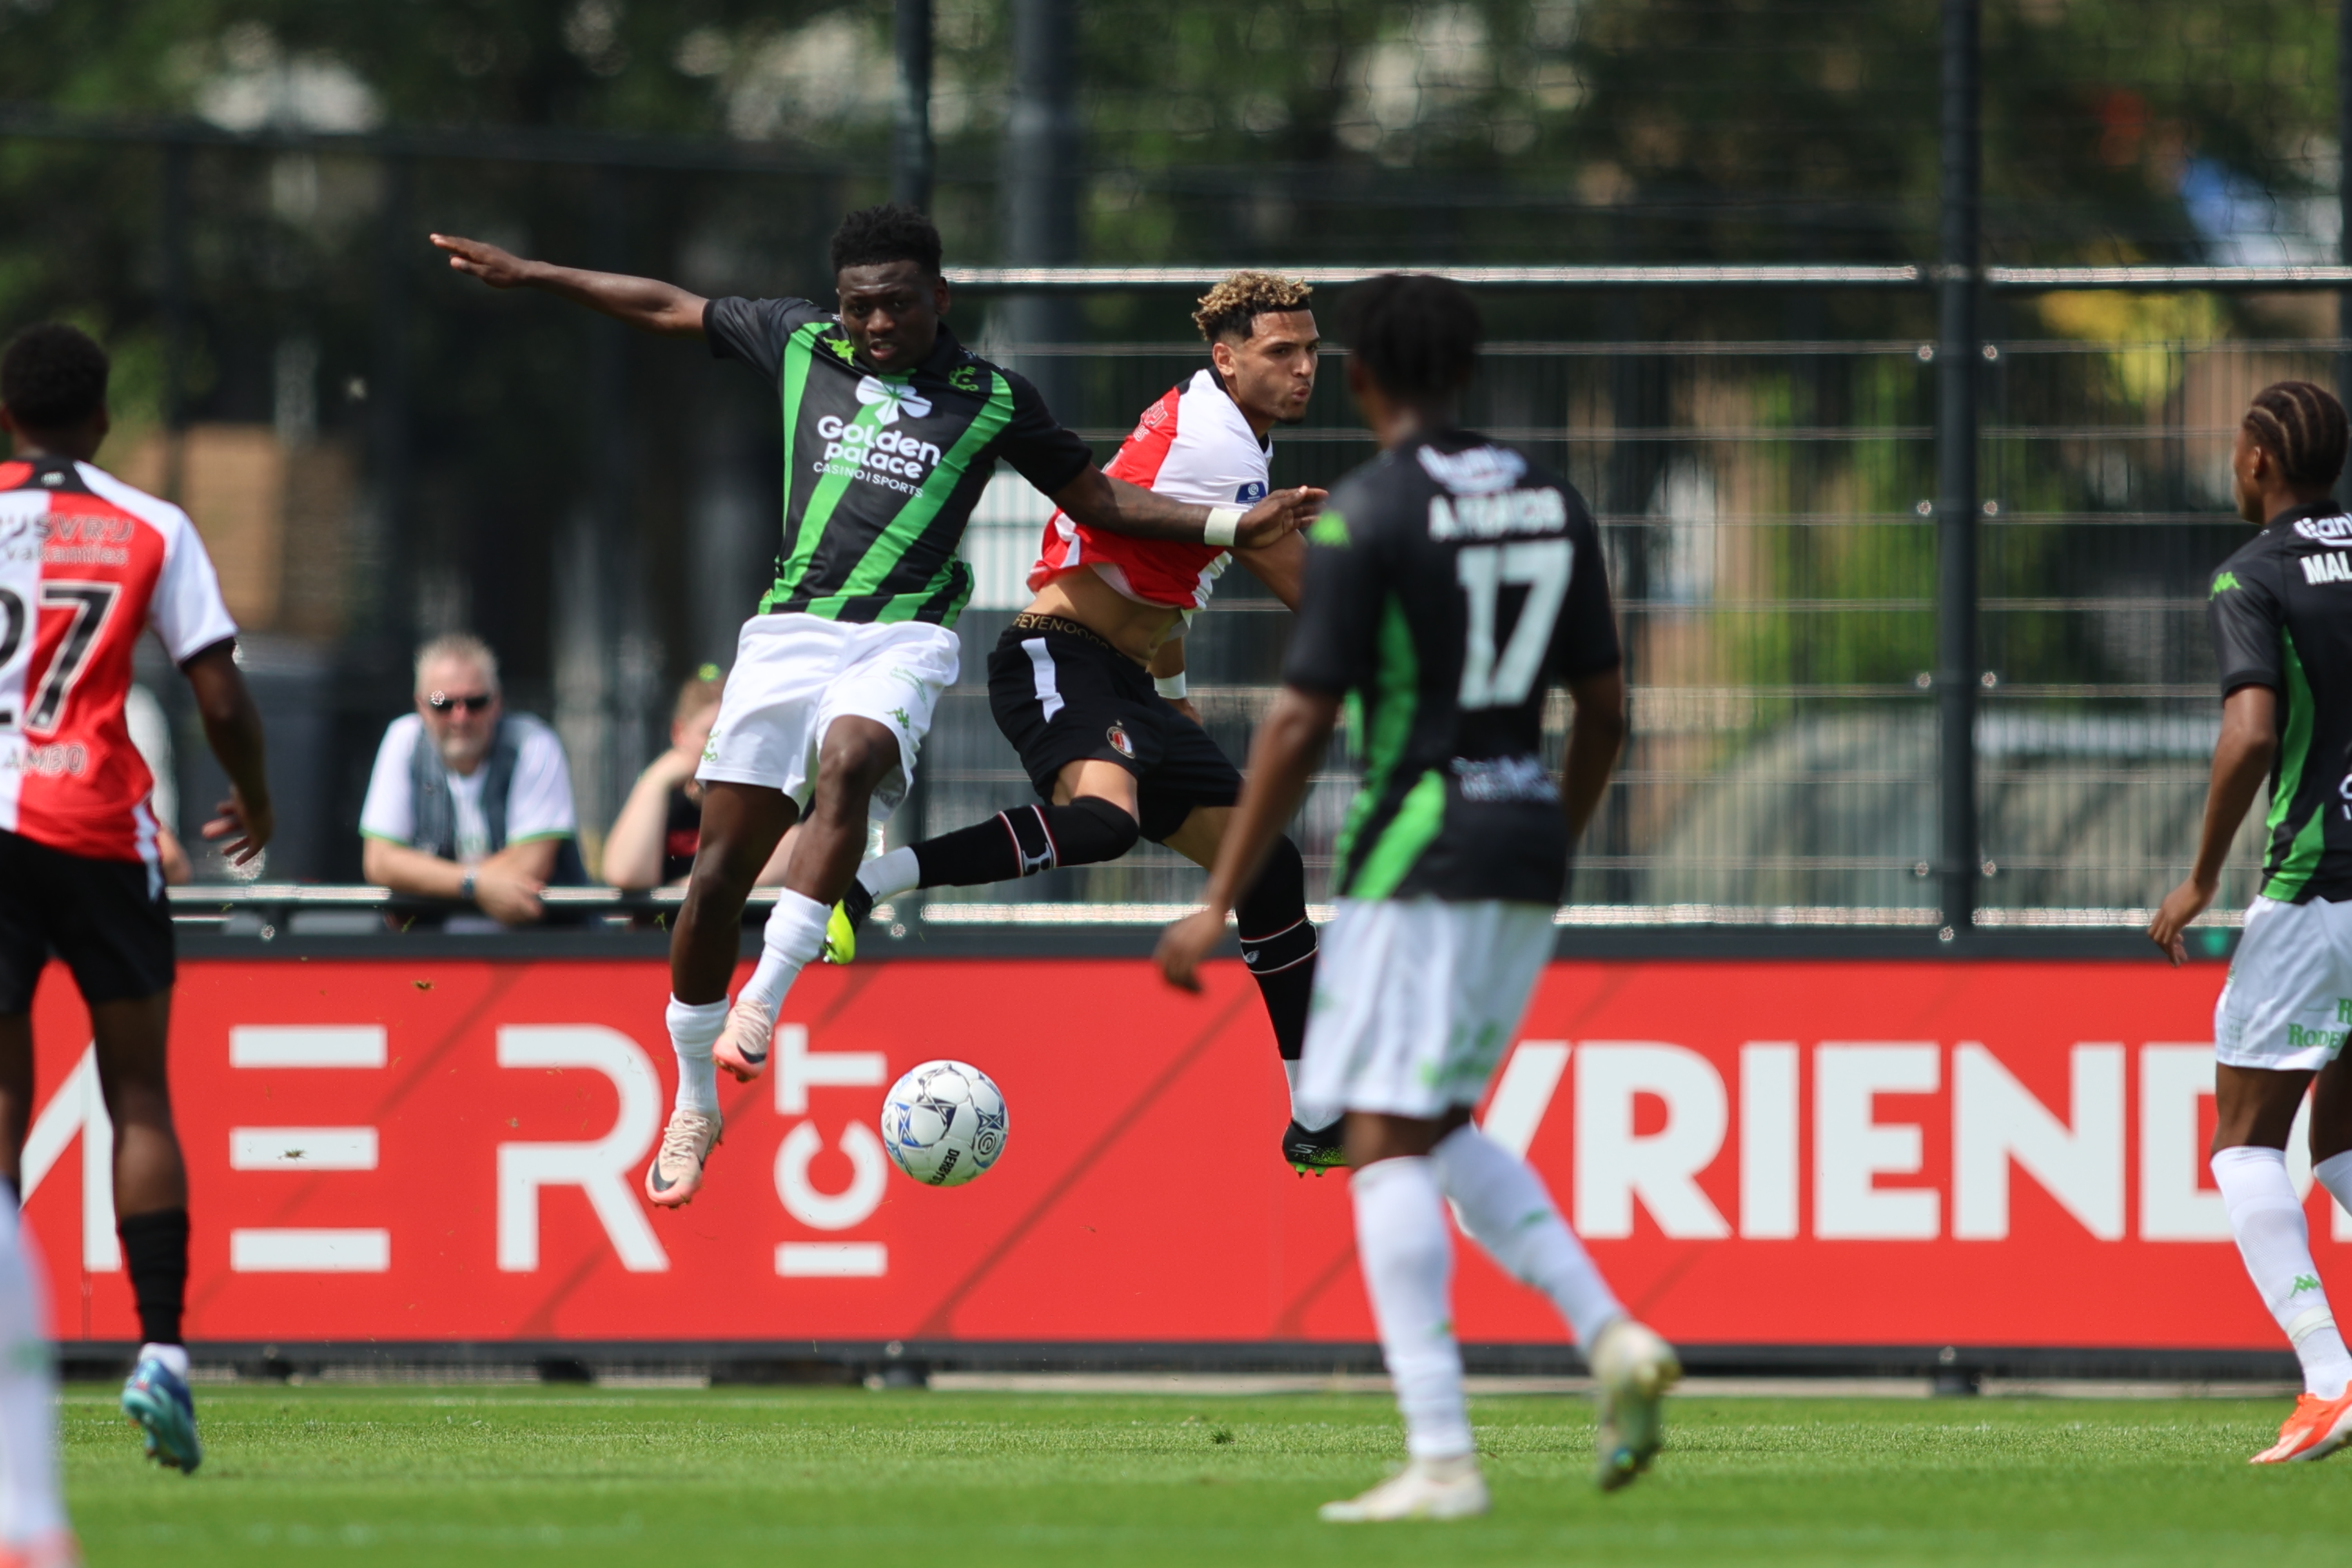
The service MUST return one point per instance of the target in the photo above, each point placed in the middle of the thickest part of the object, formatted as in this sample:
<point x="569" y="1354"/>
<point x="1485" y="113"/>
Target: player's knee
<point x="1086" y="832"/>
<point x="1092" y="830"/>
<point x="855" y="759"/>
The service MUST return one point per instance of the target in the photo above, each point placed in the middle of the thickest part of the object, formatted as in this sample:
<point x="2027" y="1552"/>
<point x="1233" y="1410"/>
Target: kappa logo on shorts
<point x="1116" y="736"/>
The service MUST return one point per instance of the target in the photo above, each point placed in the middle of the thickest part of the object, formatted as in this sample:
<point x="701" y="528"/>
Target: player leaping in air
<point x="891" y="430"/>
<point x="2282" y="619"/>
<point x="1072" y="685"/>
<point x="1450" y="585"/>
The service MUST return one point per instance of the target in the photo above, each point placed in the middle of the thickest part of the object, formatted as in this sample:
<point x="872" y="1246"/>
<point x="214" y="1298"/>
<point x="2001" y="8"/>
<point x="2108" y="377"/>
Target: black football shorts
<point x="1063" y="695"/>
<point x="108" y="919"/>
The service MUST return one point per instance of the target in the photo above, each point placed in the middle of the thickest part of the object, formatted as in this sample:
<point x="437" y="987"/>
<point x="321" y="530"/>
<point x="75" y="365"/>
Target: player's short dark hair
<point x="2300" y="425"/>
<point x="52" y="376"/>
<point x="886" y="232"/>
<point x="1416" y="334"/>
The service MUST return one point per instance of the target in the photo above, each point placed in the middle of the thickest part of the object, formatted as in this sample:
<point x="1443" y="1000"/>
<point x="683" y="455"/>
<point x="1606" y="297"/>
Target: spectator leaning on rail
<point x="654" y="840"/>
<point x="467" y="801"/>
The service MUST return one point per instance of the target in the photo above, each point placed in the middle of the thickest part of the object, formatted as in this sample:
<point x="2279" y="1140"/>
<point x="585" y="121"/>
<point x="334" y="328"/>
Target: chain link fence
<point x="1763" y="506"/>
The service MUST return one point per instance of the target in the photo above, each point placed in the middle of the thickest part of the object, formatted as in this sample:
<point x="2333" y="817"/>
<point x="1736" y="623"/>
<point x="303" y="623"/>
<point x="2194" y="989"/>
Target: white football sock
<point x="1505" y="1207"/>
<point x="30" y="1503"/>
<point x="693" y="1030"/>
<point x="1290" y="1077"/>
<point x="2275" y="1241"/>
<point x="1408" y="1262"/>
<point x="794" y="935"/>
<point x="890" y="874"/>
<point x="173" y="1357"/>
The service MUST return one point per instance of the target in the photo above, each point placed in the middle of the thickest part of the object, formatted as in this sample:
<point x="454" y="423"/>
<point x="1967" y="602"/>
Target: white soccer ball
<point x="944" y="1123"/>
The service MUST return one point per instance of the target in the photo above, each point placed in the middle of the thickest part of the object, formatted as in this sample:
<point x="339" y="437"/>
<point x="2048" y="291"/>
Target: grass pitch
<point x="522" y="1476"/>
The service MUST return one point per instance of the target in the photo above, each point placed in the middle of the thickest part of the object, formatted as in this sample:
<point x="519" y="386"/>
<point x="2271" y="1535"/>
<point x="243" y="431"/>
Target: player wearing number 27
<point x="88" y="564"/>
<point x="1450" y="584"/>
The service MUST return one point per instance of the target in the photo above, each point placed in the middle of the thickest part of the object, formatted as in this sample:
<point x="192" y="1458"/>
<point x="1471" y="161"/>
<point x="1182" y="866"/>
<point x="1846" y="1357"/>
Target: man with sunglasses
<point x="467" y="801"/>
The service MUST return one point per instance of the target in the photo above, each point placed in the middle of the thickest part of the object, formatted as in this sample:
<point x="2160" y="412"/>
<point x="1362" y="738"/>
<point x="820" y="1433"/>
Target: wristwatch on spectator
<point x="466" y="887"/>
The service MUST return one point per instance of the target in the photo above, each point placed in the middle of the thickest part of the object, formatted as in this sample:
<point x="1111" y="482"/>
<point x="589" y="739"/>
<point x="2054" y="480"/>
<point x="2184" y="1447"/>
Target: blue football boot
<point x="157" y="1401"/>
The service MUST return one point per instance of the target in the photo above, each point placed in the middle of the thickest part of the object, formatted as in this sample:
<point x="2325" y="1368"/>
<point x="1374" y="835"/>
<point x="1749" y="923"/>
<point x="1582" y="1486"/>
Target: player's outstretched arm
<point x="646" y="304"/>
<point x="1281" y="566"/>
<point x="1098" y="501"/>
<point x="233" y="728"/>
<point x="1289" y="742"/>
<point x="2242" y="760"/>
<point x="1596" y="734"/>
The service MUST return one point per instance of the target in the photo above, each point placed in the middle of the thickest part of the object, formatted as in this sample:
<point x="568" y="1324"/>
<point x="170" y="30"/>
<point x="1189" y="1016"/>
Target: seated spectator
<point x="654" y="840"/>
<point x="467" y="801"/>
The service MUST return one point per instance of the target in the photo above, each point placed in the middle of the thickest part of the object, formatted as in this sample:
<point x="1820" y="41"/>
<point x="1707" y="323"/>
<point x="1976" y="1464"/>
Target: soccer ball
<point x="943" y="1124"/>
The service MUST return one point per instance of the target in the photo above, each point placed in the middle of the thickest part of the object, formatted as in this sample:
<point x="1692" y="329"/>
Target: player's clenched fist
<point x="499" y="268"/>
<point x="1282" y="512"/>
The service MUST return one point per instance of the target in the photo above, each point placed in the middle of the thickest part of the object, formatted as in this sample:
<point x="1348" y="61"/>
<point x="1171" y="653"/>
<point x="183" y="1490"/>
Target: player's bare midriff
<point x="1134" y="629"/>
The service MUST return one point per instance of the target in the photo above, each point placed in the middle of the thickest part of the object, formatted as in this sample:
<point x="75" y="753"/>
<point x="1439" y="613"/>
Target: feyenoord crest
<point x="1117" y="735"/>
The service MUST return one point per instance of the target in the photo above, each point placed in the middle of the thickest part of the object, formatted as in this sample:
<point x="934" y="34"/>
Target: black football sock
<point x="155" y="1253"/>
<point x="1279" y="946"/>
<point x="1027" y="840"/>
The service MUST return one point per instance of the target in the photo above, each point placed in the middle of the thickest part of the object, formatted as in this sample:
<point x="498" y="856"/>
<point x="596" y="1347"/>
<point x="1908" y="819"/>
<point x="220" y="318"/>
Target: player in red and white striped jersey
<point x="87" y="564"/>
<point x="1072" y="684"/>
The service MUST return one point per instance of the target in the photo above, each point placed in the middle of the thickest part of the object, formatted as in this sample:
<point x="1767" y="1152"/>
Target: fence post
<point x="1956" y="471"/>
<point x="1041" y="209"/>
<point x="2343" y="189"/>
<point x="910" y="127"/>
<point x="174" y="311"/>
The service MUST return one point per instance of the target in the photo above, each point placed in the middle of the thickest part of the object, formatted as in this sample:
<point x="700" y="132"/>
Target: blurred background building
<point x="233" y="195"/>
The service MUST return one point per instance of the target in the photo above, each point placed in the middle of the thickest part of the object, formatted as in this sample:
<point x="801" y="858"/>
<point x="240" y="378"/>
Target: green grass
<point x="588" y="1477"/>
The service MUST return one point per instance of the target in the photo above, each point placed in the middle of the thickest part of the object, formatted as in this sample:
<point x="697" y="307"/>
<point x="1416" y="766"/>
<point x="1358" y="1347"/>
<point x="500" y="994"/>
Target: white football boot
<point x="744" y="1041"/>
<point x="676" y="1174"/>
<point x="1633" y="1368"/>
<point x="1426" y="1489"/>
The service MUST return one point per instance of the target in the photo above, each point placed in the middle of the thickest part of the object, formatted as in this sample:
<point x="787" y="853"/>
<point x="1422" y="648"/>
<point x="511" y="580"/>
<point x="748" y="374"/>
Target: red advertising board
<point x="1817" y="1152"/>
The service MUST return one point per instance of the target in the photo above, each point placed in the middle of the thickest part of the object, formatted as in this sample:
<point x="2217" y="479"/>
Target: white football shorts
<point x="1416" y="1003"/>
<point x="795" y="674"/>
<point x="2288" y="1002"/>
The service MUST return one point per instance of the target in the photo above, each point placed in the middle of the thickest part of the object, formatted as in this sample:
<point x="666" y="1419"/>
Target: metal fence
<point x="1766" y="511"/>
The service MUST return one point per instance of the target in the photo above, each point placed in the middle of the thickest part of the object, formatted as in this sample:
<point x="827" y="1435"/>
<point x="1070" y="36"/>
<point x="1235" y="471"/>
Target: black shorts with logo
<point x="1063" y="695"/>
<point x="108" y="919"/>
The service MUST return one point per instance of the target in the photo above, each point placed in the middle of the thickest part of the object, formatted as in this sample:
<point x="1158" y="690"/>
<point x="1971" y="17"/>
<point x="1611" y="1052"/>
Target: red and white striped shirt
<point x="1195" y="446"/>
<point x="86" y="563"/>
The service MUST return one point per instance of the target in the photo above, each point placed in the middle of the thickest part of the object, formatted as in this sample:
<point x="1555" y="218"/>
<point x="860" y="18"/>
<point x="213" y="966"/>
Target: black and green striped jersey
<point x="2281" y="614"/>
<point x="1451" y="584"/>
<point x="881" y="472"/>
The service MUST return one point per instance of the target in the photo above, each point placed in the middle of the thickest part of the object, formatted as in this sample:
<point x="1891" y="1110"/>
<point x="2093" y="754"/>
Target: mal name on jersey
<point x="895" y="460"/>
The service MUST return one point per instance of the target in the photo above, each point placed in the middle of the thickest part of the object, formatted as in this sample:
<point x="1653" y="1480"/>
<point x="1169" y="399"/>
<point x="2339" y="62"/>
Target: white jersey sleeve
<point x="187" y="611"/>
<point x="389" y="810"/>
<point x="538" y="801"/>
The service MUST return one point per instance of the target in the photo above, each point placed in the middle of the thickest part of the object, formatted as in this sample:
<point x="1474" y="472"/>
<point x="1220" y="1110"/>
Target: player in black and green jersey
<point x="891" y="429"/>
<point x="1450" y="587"/>
<point x="2281" y="608"/>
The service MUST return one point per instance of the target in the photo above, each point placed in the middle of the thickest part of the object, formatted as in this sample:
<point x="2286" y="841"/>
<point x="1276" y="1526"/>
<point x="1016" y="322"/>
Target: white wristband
<point x="1171" y="686"/>
<point x="1224" y="523"/>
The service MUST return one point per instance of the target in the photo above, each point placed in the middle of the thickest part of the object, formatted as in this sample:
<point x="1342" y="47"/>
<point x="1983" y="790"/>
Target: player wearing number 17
<point x="1450" y="584"/>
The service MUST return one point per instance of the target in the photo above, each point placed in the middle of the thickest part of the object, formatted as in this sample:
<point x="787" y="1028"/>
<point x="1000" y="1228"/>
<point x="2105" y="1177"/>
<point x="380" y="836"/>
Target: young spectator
<point x="654" y="840"/>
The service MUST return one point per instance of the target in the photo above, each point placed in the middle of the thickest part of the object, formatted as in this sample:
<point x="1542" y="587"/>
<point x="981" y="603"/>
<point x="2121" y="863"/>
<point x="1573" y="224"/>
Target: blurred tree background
<point x="377" y="450"/>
